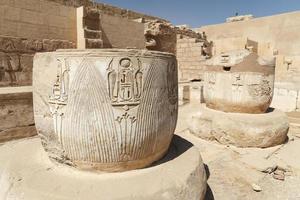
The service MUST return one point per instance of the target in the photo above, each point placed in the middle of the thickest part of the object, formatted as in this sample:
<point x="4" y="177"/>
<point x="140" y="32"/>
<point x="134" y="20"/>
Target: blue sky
<point x="202" y="12"/>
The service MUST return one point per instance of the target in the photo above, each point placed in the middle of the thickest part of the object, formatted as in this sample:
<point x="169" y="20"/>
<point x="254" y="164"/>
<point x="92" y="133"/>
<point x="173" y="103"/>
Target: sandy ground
<point x="234" y="173"/>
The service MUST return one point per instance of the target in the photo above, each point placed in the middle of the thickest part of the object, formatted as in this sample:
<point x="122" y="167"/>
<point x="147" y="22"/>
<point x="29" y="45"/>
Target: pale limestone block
<point x="284" y="99"/>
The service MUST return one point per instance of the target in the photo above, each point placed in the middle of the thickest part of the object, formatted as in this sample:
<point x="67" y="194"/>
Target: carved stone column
<point x="110" y="110"/>
<point x="239" y="82"/>
<point x="238" y="90"/>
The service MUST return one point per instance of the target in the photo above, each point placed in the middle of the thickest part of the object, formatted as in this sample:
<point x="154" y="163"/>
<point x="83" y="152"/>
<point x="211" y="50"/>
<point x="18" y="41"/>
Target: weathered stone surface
<point x="16" y="58"/>
<point x="240" y="82"/>
<point x="16" y="116"/>
<point x="26" y="173"/>
<point x="17" y="133"/>
<point x="110" y="110"/>
<point x="241" y="129"/>
<point x="160" y="36"/>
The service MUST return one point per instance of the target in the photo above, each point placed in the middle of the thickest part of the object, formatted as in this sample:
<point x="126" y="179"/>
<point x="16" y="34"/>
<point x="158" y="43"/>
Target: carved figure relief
<point x="10" y="64"/>
<point x="59" y="97"/>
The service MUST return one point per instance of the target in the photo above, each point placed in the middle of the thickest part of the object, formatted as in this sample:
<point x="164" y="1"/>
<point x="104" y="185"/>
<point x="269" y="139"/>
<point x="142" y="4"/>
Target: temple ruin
<point x="104" y="102"/>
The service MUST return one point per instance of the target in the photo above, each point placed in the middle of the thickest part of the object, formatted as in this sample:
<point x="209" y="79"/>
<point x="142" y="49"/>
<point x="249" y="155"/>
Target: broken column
<point x="238" y="90"/>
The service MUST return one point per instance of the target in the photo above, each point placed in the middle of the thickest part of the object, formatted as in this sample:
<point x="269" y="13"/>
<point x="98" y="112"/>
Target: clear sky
<point x="202" y="12"/>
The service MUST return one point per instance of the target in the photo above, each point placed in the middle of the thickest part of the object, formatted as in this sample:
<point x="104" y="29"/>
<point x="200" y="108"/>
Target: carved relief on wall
<point x="237" y="87"/>
<point x="59" y="96"/>
<point x="10" y="65"/>
<point x="210" y="82"/>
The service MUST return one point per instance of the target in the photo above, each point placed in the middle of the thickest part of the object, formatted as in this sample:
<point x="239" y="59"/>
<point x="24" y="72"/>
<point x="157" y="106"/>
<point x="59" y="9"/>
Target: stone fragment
<point x="256" y="187"/>
<point x="279" y="175"/>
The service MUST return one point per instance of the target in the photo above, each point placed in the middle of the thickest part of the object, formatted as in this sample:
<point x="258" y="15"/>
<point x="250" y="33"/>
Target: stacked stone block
<point x="190" y="59"/>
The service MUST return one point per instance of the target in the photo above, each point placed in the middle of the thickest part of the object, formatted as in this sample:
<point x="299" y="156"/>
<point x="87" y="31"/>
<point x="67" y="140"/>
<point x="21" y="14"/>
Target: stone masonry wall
<point x="121" y="33"/>
<point x="37" y="19"/>
<point x="108" y="9"/>
<point x="16" y="62"/>
<point x="189" y="57"/>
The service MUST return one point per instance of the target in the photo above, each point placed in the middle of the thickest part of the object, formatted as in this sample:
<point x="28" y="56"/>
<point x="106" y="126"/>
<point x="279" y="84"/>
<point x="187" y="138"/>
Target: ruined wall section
<point x="108" y="9"/>
<point x="37" y="19"/>
<point x="189" y="57"/>
<point x="192" y="50"/>
<point x="98" y="30"/>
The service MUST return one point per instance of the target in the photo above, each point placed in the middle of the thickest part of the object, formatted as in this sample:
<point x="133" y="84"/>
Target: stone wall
<point x="16" y="62"/>
<point x="286" y="99"/>
<point x="192" y="50"/>
<point x="98" y="30"/>
<point x="189" y="57"/>
<point x="16" y="113"/>
<point x="119" y="32"/>
<point x="37" y="19"/>
<point x="108" y="9"/>
<point x="278" y="30"/>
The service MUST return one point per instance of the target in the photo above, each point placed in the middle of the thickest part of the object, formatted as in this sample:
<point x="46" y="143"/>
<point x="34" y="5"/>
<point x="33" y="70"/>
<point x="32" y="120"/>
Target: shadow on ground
<point x="209" y="194"/>
<point x="178" y="146"/>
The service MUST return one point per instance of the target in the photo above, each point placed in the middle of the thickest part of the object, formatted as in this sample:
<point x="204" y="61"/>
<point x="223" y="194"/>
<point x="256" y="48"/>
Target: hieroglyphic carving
<point x="125" y="83"/>
<point x="125" y="89"/>
<point x="59" y="96"/>
<point x="237" y="84"/>
<point x="210" y="82"/>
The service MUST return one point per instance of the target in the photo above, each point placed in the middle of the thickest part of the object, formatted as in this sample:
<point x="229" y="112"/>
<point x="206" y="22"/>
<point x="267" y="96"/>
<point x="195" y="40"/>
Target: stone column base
<point x="26" y="173"/>
<point x="241" y="129"/>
